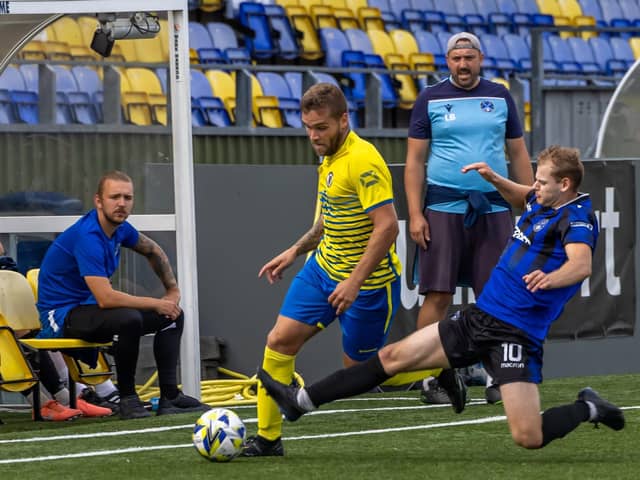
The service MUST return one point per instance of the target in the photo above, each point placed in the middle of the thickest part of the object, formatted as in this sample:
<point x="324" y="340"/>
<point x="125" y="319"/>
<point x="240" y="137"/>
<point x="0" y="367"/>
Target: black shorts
<point x="460" y="256"/>
<point x="507" y="353"/>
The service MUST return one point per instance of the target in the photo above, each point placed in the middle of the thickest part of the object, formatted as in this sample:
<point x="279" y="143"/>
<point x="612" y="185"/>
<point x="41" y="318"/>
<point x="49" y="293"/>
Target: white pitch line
<point x="302" y="437"/>
<point x="101" y="453"/>
<point x="189" y="426"/>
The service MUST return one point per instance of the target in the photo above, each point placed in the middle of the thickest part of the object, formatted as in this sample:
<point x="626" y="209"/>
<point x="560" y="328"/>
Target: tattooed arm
<point x="160" y="264"/>
<point x="309" y="241"/>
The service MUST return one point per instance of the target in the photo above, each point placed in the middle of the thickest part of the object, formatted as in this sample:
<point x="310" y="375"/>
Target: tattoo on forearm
<point x="311" y="239"/>
<point x="157" y="259"/>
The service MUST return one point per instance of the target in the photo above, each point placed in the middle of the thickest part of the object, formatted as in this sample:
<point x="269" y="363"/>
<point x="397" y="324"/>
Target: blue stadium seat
<point x="622" y="50"/>
<point x="518" y="50"/>
<point x="494" y="47"/>
<point x="201" y="42"/>
<point x="294" y="80"/>
<point x="611" y="11"/>
<point x="206" y="109"/>
<point x="7" y="112"/>
<point x="389" y="18"/>
<point x="499" y="21"/>
<point x="75" y="105"/>
<point x="630" y="10"/>
<point x="252" y="15"/>
<point x="453" y="20"/>
<point x="583" y="54"/>
<point x="429" y="43"/>
<point x="475" y="21"/>
<point x="64" y="114"/>
<point x="89" y="82"/>
<point x="288" y="47"/>
<point x="224" y="38"/>
<point x="275" y="85"/>
<point x="26" y="104"/>
<point x="592" y="8"/>
<point x="565" y="61"/>
<point x="604" y="57"/>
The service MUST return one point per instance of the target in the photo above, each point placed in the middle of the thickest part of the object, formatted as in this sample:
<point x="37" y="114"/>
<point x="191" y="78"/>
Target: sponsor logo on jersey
<point x="329" y="180"/>
<point x="367" y="179"/>
<point x="517" y="233"/>
<point x="581" y="225"/>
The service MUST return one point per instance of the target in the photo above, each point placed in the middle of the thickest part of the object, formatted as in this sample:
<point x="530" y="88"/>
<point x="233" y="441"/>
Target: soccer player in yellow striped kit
<point x="353" y="272"/>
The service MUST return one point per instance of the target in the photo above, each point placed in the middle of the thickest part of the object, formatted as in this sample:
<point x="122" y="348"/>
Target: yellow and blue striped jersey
<point x="352" y="182"/>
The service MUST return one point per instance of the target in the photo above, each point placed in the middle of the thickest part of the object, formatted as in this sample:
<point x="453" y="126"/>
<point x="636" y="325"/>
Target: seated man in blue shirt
<point x="544" y="263"/>
<point x="76" y="298"/>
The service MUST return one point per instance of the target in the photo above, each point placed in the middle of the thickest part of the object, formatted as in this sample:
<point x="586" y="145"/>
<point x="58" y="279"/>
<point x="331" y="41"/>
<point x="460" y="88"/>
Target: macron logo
<point x="52" y="321"/>
<point x="517" y="233"/>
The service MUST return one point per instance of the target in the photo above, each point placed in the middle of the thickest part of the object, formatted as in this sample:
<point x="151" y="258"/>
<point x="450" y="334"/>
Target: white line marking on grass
<point x="101" y="453"/>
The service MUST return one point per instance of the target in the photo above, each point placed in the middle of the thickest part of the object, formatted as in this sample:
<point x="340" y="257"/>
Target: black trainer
<point x="257" y="446"/>
<point x="432" y="393"/>
<point x="131" y="407"/>
<point x="181" y="404"/>
<point x="284" y="395"/>
<point x="452" y="383"/>
<point x="606" y="413"/>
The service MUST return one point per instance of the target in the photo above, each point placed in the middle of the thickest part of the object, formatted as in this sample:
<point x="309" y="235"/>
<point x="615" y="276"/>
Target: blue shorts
<point x="365" y="325"/>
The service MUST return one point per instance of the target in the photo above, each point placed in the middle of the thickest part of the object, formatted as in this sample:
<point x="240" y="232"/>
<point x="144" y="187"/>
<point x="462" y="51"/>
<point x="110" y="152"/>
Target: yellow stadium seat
<point x="88" y="26"/>
<point x="56" y="50"/>
<point x="223" y="86"/>
<point x="211" y="5"/>
<point x="16" y="374"/>
<point x="128" y="49"/>
<point x="309" y="43"/>
<point x="585" y="21"/>
<point x="68" y="30"/>
<point x="635" y="46"/>
<point x="501" y="81"/>
<point x="34" y="50"/>
<point x="151" y="50"/>
<point x="563" y="22"/>
<point x="287" y="3"/>
<point x="158" y="104"/>
<point x="78" y="370"/>
<point x="570" y="8"/>
<point x="384" y="46"/>
<point x="346" y="18"/>
<point x="267" y="111"/>
<point x="137" y="109"/>
<point x="323" y="16"/>
<point x="143" y="80"/>
<point x="335" y="3"/>
<point x="164" y="36"/>
<point x="371" y="18"/>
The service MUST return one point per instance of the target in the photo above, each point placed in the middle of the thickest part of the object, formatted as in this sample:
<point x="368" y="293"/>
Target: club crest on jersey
<point x="367" y="179"/>
<point x="487" y="106"/>
<point x="329" y="180"/>
<point x="449" y="116"/>
<point x="540" y="225"/>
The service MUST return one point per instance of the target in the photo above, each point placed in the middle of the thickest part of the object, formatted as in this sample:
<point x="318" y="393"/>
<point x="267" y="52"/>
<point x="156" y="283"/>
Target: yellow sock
<point x="281" y="368"/>
<point x="405" y="378"/>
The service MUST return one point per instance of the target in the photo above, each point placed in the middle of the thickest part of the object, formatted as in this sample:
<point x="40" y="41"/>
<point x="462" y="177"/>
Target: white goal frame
<point x="182" y="222"/>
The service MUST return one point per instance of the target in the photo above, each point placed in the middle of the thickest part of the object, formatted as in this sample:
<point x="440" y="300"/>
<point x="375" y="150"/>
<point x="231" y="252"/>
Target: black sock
<point x="348" y="382"/>
<point x="558" y="421"/>
<point x="166" y="349"/>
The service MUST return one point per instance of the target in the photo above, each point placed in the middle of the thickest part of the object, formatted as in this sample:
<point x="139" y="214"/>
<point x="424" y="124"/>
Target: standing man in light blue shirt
<point x="462" y="224"/>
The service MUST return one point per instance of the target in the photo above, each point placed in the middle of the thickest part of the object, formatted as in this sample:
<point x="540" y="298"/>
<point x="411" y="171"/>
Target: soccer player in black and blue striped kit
<point x="541" y="268"/>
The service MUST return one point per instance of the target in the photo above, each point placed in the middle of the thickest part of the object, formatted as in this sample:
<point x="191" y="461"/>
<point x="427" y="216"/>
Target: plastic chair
<point x="310" y="48"/>
<point x="223" y="86"/>
<point x="67" y="30"/>
<point x="143" y="80"/>
<point x="429" y="43"/>
<point x="224" y="39"/>
<point x="201" y="42"/>
<point x="252" y="15"/>
<point x="605" y="58"/>
<point x="275" y="85"/>
<point x="288" y="48"/>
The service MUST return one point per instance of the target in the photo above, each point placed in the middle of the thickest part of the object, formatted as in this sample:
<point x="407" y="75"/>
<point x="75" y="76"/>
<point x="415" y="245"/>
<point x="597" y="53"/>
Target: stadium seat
<point x="585" y="21"/>
<point x="151" y="50"/>
<point x="252" y="15"/>
<point x="29" y="103"/>
<point x="322" y="16"/>
<point x="308" y="36"/>
<point x="634" y="43"/>
<point x="429" y="43"/>
<point x="225" y="40"/>
<point x="223" y="86"/>
<point x="128" y="49"/>
<point x="286" y="38"/>
<point x="499" y="21"/>
<point x="621" y="49"/>
<point x="211" y="6"/>
<point x="371" y="18"/>
<point x="346" y="18"/>
<point x="143" y="80"/>
<point x="473" y="17"/>
<point x="518" y="51"/>
<point x="294" y="80"/>
<point x="583" y="54"/>
<point x="494" y="47"/>
<point x="78" y="104"/>
<point x="273" y="84"/>
<point x="68" y="31"/>
<point x="88" y="81"/>
<point x="605" y="58"/>
<point x="340" y="54"/>
<point x="201" y="42"/>
<point x="7" y="113"/>
<point x="592" y="8"/>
